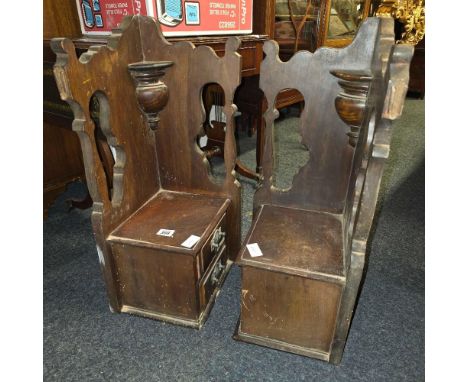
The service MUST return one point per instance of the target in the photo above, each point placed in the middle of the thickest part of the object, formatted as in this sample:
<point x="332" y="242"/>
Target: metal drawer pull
<point x="218" y="238"/>
<point x="217" y="272"/>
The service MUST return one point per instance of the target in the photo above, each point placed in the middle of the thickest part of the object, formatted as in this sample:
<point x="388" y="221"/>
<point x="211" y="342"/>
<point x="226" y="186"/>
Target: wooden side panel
<point x="103" y="71"/>
<point x="292" y="309"/>
<point x="170" y="287"/>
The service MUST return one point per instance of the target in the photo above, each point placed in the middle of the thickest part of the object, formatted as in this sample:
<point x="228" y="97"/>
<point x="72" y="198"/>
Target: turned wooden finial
<point x="152" y="93"/>
<point x="351" y="102"/>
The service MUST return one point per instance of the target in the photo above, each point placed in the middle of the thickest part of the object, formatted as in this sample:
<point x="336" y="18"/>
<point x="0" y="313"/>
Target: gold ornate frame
<point x="411" y="13"/>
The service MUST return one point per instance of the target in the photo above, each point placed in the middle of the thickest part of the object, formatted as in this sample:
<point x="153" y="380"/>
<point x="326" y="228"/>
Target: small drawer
<point x="212" y="277"/>
<point x="213" y="245"/>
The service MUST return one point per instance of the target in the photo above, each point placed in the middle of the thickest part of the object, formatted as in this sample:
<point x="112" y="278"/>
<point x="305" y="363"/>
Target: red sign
<point x="204" y="17"/>
<point x="177" y="17"/>
<point x="101" y="16"/>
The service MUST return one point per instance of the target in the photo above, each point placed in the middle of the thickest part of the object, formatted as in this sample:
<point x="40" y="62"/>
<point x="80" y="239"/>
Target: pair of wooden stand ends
<point x="300" y="294"/>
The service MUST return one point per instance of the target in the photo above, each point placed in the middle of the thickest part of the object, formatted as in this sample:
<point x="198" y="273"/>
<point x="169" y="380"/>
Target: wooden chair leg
<point x="243" y="170"/>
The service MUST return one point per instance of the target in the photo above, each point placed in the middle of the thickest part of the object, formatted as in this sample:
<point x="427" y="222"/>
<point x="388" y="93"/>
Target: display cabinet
<point x="296" y="25"/>
<point x="340" y="20"/>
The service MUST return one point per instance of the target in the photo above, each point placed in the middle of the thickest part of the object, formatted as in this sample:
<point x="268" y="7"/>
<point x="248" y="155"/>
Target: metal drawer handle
<point x="217" y="239"/>
<point x="217" y="272"/>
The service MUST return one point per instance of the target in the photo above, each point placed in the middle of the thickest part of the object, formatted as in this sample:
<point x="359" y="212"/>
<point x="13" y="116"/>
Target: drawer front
<point x="213" y="245"/>
<point x="212" y="277"/>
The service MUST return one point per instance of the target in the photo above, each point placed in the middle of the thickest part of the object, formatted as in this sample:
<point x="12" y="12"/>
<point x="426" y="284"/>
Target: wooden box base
<point x="159" y="278"/>
<point x="279" y="345"/>
<point x="291" y="296"/>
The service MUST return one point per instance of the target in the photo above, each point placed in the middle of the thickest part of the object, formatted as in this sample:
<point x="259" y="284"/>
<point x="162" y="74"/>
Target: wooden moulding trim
<point x="279" y="345"/>
<point x="186" y="251"/>
<point x="197" y="324"/>
<point x="340" y="280"/>
<point x="86" y="42"/>
<point x="163" y="317"/>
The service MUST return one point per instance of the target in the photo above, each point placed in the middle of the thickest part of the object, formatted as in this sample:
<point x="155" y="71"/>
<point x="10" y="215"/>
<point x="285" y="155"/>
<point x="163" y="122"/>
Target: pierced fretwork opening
<point x="290" y="154"/>
<point x="111" y="155"/>
<point x="211" y="139"/>
<point x="369" y="140"/>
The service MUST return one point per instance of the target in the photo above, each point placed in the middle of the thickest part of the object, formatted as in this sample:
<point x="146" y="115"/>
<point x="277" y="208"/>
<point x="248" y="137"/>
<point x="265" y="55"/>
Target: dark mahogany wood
<point x="300" y="294"/>
<point x="150" y="112"/>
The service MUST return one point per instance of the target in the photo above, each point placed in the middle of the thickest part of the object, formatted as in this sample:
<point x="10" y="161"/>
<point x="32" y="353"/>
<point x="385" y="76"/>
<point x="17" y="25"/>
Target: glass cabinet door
<point x="296" y="25"/>
<point x="340" y="20"/>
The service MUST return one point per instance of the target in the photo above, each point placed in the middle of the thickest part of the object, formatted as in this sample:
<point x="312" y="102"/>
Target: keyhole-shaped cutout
<point x="290" y="154"/>
<point x="211" y="138"/>
<point x="111" y="155"/>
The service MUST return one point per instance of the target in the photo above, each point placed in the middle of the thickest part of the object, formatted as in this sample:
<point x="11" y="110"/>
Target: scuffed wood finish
<point x="151" y="162"/>
<point x="300" y="295"/>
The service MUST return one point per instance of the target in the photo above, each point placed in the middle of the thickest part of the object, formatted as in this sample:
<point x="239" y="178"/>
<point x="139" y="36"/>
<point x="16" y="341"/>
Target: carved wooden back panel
<point x="347" y="80"/>
<point x="104" y="71"/>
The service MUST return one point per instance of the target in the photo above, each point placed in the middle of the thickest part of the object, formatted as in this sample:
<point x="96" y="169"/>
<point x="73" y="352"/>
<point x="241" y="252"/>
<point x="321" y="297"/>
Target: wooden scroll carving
<point x="299" y="296"/>
<point x="149" y="92"/>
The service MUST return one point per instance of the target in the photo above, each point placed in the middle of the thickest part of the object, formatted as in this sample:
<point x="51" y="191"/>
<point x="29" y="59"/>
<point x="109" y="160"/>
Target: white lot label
<point x="191" y="241"/>
<point x="166" y="232"/>
<point x="203" y="141"/>
<point x="254" y="250"/>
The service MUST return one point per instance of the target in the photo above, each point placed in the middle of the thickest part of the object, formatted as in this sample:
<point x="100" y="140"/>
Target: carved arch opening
<point x="111" y="154"/>
<point x="290" y="153"/>
<point x="211" y="137"/>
